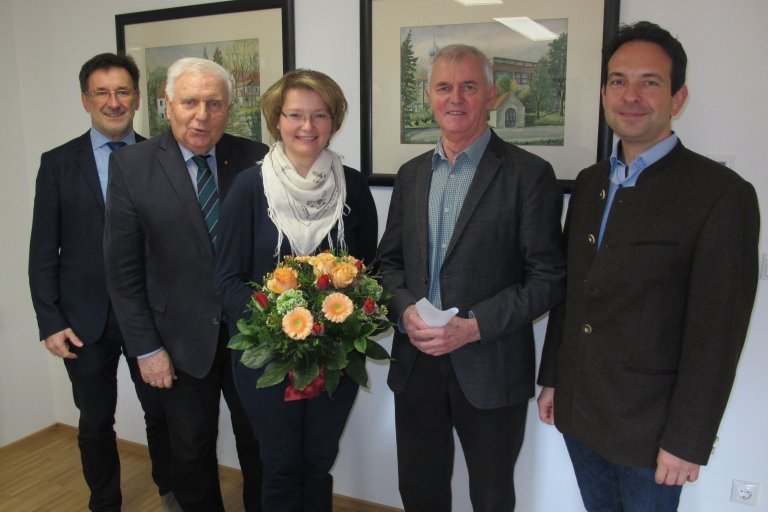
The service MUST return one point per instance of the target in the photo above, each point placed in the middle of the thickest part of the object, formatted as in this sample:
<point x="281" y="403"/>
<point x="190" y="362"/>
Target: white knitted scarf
<point x="305" y="209"/>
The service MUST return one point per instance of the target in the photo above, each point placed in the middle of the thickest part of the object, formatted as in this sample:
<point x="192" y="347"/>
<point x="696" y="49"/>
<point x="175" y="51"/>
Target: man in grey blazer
<point x="159" y="251"/>
<point x="639" y="361"/>
<point x="66" y="279"/>
<point x="474" y="225"/>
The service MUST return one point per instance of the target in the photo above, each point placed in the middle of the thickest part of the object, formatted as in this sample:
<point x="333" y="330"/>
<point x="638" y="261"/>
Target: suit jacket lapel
<point x="171" y="161"/>
<point x="423" y="180"/>
<point x="486" y="170"/>
<point x="86" y="162"/>
<point x="227" y="165"/>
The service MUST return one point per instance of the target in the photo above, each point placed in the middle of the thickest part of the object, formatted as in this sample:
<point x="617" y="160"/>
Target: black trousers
<point x="94" y="387"/>
<point x="299" y="440"/>
<point x="192" y="409"/>
<point x="426" y="413"/>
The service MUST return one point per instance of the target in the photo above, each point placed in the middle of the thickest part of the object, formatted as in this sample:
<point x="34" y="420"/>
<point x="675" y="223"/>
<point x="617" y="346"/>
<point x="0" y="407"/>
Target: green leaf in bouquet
<point x="376" y="351"/>
<point x="382" y="325"/>
<point x="240" y="342"/>
<point x="304" y="373"/>
<point x="274" y="373"/>
<point x="332" y="378"/>
<point x="348" y="344"/>
<point x="361" y="344"/>
<point x="356" y="369"/>
<point x="352" y="327"/>
<point x="245" y="326"/>
<point x="335" y="358"/>
<point x="257" y="357"/>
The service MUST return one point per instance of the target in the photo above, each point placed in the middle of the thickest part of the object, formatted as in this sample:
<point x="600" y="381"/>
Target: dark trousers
<point x="609" y="487"/>
<point x="299" y="440"/>
<point x="192" y="409"/>
<point x="426" y="413"/>
<point x="94" y="387"/>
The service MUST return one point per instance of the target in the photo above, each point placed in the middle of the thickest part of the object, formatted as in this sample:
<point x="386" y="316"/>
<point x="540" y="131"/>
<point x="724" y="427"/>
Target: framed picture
<point x="253" y="40"/>
<point x="548" y="81"/>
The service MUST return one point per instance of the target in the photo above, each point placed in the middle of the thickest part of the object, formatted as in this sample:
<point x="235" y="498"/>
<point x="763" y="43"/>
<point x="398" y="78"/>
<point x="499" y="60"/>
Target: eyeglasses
<point x="104" y="95"/>
<point x="316" y="118"/>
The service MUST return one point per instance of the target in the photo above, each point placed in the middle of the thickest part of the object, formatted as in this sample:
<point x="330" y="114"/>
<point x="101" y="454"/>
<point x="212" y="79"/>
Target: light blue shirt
<point x="101" y="153"/>
<point x="447" y="191"/>
<point x="623" y="176"/>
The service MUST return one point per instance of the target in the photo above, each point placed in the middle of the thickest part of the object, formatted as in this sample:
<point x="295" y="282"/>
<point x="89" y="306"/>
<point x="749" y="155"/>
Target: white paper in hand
<point x="432" y="316"/>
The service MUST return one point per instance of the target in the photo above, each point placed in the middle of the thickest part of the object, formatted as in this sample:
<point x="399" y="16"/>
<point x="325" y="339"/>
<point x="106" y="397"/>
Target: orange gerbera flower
<point x="337" y="307"/>
<point x="298" y="323"/>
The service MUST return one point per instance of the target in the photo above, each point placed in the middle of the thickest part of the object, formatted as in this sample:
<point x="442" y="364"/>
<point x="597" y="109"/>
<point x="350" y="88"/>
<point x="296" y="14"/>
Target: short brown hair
<point x="307" y="79"/>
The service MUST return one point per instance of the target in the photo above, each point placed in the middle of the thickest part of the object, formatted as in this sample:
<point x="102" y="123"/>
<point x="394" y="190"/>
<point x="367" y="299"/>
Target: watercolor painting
<point x="240" y="57"/>
<point x="530" y="75"/>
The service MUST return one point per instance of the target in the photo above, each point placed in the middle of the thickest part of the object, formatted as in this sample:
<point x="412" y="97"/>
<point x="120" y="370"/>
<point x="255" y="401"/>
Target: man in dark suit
<point x="639" y="360"/>
<point x="66" y="278"/>
<point x="474" y="225"/>
<point x="162" y="208"/>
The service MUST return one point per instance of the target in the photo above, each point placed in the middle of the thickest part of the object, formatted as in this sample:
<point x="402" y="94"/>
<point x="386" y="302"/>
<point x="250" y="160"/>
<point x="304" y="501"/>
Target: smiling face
<point x="112" y="116"/>
<point x="460" y="98"/>
<point x="199" y="110"/>
<point x="304" y="138"/>
<point x="637" y="97"/>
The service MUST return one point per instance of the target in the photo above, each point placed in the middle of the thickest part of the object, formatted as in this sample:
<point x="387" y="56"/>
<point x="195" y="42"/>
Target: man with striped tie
<point x="162" y="207"/>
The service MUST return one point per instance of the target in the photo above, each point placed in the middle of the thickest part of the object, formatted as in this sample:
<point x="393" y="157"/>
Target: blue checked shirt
<point x="447" y="191"/>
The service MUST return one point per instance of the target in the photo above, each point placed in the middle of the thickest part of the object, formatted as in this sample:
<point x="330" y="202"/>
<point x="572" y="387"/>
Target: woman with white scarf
<point x="300" y="200"/>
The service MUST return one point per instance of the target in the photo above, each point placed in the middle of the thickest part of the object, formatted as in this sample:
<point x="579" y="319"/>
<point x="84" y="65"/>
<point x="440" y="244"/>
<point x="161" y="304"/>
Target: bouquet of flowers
<point x="313" y="319"/>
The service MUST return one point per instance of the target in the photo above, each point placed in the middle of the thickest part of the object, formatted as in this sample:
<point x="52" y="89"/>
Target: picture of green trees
<point x="240" y="57"/>
<point x="530" y="77"/>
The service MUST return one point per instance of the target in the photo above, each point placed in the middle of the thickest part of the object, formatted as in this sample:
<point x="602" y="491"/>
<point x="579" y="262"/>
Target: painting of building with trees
<point x="530" y="76"/>
<point x="240" y="57"/>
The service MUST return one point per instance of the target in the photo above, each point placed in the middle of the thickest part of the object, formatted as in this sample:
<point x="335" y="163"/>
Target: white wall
<point x="44" y="43"/>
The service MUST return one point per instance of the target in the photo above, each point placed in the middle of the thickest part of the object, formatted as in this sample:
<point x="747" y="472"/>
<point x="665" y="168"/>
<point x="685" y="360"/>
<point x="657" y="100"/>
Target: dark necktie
<point x="207" y="196"/>
<point x="114" y="146"/>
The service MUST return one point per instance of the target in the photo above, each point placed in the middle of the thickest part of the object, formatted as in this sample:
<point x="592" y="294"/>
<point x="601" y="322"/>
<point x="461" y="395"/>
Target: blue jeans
<point x="609" y="487"/>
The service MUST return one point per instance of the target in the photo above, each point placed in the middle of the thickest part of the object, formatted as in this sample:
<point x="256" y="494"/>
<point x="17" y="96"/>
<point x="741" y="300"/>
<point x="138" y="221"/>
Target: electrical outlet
<point x="745" y="493"/>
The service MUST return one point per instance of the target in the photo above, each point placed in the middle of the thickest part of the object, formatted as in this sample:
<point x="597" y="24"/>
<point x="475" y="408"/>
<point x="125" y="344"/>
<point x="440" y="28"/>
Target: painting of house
<point x="507" y="112"/>
<point x="239" y="57"/>
<point x="529" y="75"/>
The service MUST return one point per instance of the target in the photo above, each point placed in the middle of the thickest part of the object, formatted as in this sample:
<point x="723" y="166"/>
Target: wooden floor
<point x="42" y="473"/>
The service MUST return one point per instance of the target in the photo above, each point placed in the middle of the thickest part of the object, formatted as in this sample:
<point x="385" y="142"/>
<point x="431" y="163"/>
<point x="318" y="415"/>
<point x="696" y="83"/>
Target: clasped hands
<point x="437" y="341"/>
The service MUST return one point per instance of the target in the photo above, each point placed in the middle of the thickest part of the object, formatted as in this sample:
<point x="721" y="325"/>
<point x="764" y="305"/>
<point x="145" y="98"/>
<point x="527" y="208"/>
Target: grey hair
<point x="456" y="52"/>
<point x="196" y="65"/>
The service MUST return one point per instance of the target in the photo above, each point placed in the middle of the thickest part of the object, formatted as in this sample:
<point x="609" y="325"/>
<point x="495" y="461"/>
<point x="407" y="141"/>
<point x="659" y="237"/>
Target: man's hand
<point x="438" y="341"/>
<point x="672" y="470"/>
<point x="157" y="370"/>
<point x="546" y="403"/>
<point x="58" y="343"/>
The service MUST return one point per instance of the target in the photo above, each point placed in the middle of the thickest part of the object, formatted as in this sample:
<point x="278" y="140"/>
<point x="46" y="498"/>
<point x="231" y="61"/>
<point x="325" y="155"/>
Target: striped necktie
<point x="207" y="196"/>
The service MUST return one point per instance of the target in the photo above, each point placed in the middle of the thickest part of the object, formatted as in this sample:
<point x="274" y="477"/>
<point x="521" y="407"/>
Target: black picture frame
<point x="213" y="9"/>
<point x="611" y="10"/>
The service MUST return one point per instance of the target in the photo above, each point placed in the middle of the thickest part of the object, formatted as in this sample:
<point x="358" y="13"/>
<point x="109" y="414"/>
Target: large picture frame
<point x="590" y="24"/>
<point x="265" y="27"/>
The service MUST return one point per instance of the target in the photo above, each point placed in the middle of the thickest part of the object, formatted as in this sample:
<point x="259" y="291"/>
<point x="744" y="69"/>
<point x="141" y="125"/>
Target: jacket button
<point x="215" y="321"/>
<point x="591" y="239"/>
<point x="602" y="194"/>
<point x="586" y="329"/>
